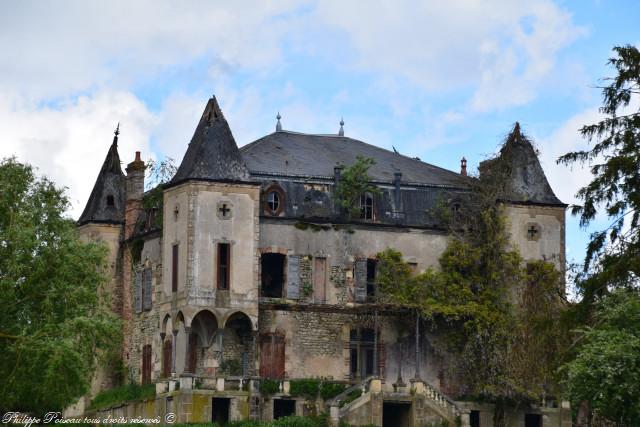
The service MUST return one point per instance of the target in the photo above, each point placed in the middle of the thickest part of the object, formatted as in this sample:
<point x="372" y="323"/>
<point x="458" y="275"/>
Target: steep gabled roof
<point x="526" y="181"/>
<point x="212" y="153"/>
<point x="298" y="154"/>
<point x="106" y="203"/>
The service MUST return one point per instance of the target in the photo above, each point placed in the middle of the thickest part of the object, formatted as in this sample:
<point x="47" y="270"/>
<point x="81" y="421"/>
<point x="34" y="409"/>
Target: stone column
<point x="174" y="343"/>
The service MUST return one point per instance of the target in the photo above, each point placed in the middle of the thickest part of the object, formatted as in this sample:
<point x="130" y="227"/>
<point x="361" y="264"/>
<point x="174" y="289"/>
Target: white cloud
<point x="504" y="49"/>
<point x="68" y="144"/>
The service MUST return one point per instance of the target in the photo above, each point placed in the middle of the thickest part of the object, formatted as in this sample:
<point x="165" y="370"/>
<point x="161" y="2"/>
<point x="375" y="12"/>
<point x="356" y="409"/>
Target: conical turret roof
<point x="526" y="180"/>
<point x="106" y="202"/>
<point x="212" y="154"/>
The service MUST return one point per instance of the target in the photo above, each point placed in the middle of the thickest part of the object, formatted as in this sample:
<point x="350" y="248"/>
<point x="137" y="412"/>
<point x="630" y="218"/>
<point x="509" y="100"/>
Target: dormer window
<point x="366" y="206"/>
<point x="110" y="200"/>
<point x="274" y="200"/>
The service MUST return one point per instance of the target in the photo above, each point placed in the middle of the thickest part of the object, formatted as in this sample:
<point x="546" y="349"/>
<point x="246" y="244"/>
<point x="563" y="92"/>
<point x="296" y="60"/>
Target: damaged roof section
<point x="106" y="203"/>
<point x="212" y="154"/>
<point x="525" y="181"/>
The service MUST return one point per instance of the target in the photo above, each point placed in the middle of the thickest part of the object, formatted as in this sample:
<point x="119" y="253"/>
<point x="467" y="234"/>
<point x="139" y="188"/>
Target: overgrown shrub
<point x="305" y="387"/>
<point x="269" y="387"/>
<point x="330" y="390"/>
<point x="125" y="393"/>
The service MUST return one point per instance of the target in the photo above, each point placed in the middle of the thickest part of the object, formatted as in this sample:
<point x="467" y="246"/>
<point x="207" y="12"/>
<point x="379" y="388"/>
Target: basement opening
<point x="220" y="410"/>
<point x="272" y="275"/>
<point x="283" y="408"/>
<point x="532" y="420"/>
<point x="396" y="414"/>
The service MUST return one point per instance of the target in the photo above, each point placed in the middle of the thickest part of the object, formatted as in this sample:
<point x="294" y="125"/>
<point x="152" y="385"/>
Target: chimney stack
<point x="135" y="178"/>
<point x="463" y="167"/>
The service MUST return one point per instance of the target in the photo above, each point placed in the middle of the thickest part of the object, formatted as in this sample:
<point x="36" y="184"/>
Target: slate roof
<point x="527" y="182"/>
<point x="212" y="153"/>
<point x="110" y="182"/>
<point x="297" y="154"/>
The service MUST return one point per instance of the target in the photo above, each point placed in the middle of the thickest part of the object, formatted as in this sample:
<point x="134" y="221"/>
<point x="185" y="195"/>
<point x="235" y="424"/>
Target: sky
<point x="435" y="79"/>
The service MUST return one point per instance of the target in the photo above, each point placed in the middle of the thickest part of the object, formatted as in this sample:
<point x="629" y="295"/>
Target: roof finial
<point x="341" y="131"/>
<point x="278" y="124"/>
<point x="115" y="134"/>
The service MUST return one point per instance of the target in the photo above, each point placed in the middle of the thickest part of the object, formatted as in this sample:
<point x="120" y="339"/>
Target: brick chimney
<point x="135" y="192"/>
<point x="463" y="167"/>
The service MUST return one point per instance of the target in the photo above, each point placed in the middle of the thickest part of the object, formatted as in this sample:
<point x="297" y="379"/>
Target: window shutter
<point x="361" y="280"/>
<point x="138" y="291"/>
<point x="146" y="303"/>
<point x="293" y="277"/>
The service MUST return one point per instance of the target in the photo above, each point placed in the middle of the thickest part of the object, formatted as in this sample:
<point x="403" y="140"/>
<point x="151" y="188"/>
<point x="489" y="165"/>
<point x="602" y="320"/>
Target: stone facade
<point x="254" y="274"/>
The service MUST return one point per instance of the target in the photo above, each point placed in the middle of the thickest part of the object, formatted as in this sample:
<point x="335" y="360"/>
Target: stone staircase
<point x="362" y="403"/>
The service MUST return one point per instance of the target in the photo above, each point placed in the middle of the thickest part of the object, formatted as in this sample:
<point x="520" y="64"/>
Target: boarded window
<point x="360" y="275"/>
<point x="174" y="269"/>
<point x="293" y="277"/>
<point x="319" y="279"/>
<point x="224" y="265"/>
<point x="166" y="358"/>
<point x="272" y="356"/>
<point x="272" y="275"/>
<point x="147" y="289"/>
<point x="138" y="291"/>
<point x="146" y="364"/>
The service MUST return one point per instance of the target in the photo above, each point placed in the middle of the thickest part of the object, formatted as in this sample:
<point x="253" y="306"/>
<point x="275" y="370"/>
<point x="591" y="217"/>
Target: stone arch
<point x="238" y="345"/>
<point x="202" y="352"/>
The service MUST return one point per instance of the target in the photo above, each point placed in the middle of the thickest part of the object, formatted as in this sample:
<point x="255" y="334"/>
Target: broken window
<point x="366" y="206"/>
<point x="146" y="289"/>
<point x="456" y="213"/>
<point x="371" y="278"/>
<point x="274" y="200"/>
<point x="174" y="269"/>
<point x="361" y="345"/>
<point x="272" y="275"/>
<point x="224" y="265"/>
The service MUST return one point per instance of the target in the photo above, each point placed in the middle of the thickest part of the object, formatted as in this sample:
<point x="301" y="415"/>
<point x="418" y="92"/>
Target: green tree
<point x="606" y="371"/>
<point x="52" y="324"/>
<point x="613" y="254"/>
<point x="354" y="182"/>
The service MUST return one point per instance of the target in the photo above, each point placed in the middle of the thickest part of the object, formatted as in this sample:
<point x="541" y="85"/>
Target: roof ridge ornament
<point x="115" y="134"/>
<point x="341" y="131"/>
<point x="278" y="124"/>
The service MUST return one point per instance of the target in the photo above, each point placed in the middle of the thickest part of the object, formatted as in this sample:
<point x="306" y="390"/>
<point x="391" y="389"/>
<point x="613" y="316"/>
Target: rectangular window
<point x="224" y="265"/>
<point x="174" y="269"/>
<point x="371" y="278"/>
<point x="146" y="364"/>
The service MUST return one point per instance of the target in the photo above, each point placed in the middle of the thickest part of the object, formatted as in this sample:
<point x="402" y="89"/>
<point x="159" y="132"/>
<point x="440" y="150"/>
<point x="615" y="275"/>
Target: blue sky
<point x="438" y="80"/>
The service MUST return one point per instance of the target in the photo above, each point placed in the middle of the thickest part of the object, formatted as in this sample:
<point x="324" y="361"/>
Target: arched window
<point x="274" y="200"/>
<point x="366" y="206"/>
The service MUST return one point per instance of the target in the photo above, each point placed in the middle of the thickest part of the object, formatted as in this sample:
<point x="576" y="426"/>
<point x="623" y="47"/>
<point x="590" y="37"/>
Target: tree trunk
<point x="498" y="415"/>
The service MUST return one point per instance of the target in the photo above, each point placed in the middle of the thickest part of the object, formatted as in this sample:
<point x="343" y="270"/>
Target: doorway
<point x="220" y="410"/>
<point x="283" y="408"/>
<point x="532" y="420"/>
<point x="396" y="414"/>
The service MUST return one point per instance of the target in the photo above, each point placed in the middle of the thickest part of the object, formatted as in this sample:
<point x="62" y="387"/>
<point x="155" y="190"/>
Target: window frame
<point x="367" y="207"/>
<point x="274" y="188"/>
<point x="223" y="275"/>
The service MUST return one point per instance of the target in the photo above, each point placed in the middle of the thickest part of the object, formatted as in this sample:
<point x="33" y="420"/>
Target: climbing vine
<point x="502" y="315"/>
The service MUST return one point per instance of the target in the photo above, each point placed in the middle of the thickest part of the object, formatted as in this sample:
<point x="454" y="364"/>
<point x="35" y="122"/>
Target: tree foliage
<point x="354" y="182"/>
<point x="501" y="314"/>
<point x="52" y="322"/>
<point x="613" y="254"/>
<point x="606" y="371"/>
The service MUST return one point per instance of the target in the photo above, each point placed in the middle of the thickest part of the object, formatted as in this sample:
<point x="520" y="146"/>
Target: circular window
<point x="274" y="201"/>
